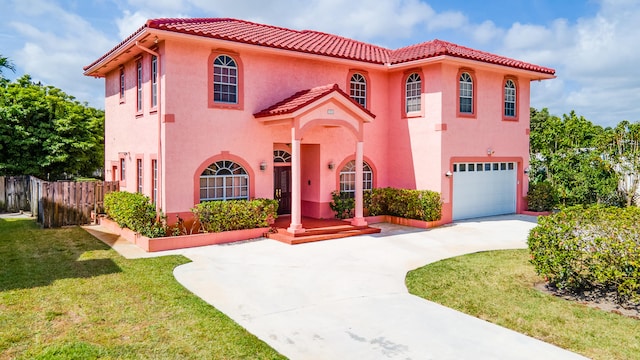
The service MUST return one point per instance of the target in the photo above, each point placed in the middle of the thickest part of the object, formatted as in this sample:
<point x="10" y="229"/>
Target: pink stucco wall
<point x="405" y="151"/>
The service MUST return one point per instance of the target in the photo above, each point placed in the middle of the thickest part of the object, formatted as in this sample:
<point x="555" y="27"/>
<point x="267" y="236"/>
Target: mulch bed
<point x="598" y="299"/>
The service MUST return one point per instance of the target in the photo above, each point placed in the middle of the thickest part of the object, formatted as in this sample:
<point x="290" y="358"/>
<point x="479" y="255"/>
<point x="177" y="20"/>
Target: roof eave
<point x="112" y="55"/>
<point x="532" y="74"/>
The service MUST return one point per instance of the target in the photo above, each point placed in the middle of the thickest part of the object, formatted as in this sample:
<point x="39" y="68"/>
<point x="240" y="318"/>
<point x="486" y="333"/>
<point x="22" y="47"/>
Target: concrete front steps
<point x="316" y="230"/>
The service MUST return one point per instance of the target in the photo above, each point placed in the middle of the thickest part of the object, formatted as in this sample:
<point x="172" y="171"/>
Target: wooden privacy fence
<point x="57" y="203"/>
<point x="64" y="203"/>
<point x="14" y="193"/>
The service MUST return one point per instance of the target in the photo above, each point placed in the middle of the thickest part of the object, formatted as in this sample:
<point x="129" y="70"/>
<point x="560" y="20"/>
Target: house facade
<point x="218" y="109"/>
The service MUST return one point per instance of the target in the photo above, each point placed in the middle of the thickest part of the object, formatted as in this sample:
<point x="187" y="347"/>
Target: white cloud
<point x="596" y="56"/>
<point x="130" y="22"/>
<point x="486" y="32"/>
<point x="57" y="44"/>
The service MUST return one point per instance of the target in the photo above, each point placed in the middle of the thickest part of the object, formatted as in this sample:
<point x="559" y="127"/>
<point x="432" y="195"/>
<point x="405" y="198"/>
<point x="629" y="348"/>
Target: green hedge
<point x="216" y="216"/>
<point x="342" y="204"/>
<point x="541" y="197"/>
<point x="423" y="205"/>
<point x="586" y="248"/>
<point x="134" y="211"/>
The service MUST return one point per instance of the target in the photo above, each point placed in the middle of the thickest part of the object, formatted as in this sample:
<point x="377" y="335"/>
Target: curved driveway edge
<point x="346" y="298"/>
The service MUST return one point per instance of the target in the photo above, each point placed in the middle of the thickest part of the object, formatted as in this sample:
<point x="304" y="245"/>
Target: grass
<point x="66" y="295"/>
<point x="498" y="286"/>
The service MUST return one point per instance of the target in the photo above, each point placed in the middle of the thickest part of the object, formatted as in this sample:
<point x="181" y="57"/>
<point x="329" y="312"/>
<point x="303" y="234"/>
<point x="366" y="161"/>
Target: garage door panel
<point x="484" y="193"/>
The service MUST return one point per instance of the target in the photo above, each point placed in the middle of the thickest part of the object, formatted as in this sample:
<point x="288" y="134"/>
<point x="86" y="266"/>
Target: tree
<point x="624" y="152"/>
<point x="567" y="153"/>
<point x="6" y="64"/>
<point x="47" y="133"/>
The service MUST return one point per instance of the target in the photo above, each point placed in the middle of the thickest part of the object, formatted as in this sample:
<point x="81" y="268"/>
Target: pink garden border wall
<point x="402" y="221"/>
<point x="184" y="241"/>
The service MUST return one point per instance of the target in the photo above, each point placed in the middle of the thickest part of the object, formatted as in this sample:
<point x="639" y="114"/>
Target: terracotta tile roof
<point x="303" y="98"/>
<point x="438" y="47"/>
<point x="308" y="41"/>
<point x="314" y="42"/>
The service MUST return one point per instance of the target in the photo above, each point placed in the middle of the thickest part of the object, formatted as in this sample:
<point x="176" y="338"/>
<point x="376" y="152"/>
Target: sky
<point x="592" y="44"/>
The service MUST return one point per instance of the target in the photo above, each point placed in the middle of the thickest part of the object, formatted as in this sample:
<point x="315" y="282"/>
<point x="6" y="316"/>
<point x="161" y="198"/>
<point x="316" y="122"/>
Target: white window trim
<point x="224" y="66"/>
<point x="348" y="178"/>
<point x="466" y="92"/>
<point x="413" y="93"/>
<point x="358" y="89"/>
<point x="234" y="177"/>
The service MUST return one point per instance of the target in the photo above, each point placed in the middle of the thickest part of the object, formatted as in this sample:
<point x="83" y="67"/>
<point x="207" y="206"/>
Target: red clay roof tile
<point x="303" y="98"/>
<point x="314" y="42"/>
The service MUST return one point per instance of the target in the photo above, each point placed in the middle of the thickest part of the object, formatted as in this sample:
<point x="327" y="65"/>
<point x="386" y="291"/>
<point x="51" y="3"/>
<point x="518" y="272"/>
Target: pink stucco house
<point x="217" y="109"/>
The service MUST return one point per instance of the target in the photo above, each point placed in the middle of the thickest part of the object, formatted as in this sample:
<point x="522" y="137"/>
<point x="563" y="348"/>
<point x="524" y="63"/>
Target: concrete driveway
<point x="346" y="298"/>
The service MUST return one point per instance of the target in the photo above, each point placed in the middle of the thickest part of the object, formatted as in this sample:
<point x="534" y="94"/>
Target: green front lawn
<point x="497" y="286"/>
<point x="64" y="294"/>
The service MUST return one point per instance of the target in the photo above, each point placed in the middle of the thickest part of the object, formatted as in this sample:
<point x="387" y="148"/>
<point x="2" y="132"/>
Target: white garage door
<point x="484" y="189"/>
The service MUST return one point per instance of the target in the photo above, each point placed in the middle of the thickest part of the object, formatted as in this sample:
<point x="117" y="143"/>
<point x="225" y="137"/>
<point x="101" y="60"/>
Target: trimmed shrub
<point x="423" y="205"/>
<point x="541" y="197"/>
<point x="342" y="204"/>
<point x="134" y="211"/>
<point x="217" y="216"/>
<point x="590" y="248"/>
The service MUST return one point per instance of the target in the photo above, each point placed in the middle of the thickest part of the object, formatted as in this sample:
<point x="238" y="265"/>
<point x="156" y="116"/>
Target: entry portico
<point x="324" y="106"/>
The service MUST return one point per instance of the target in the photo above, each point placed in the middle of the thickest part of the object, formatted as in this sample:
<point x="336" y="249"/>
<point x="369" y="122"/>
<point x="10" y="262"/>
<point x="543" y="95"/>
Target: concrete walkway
<point x="346" y="298"/>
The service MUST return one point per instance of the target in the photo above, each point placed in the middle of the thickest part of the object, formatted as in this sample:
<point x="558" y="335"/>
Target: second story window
<point x="154" y="81"/>
<point x="139" y="85"/>
<point x="413" y="93"/>
<point x="225" y="80"/>
<point x="358" y="89"/>
<point x="121" y="83"/>
<point x="509" y="98"/>
<point x="466" y="93"/>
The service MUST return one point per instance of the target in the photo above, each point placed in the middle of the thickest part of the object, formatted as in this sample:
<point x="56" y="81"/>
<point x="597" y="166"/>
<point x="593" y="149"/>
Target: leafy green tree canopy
<point x="5" y="63"/>
<point x="569" y="154"/>
<point x="47" y="133"/>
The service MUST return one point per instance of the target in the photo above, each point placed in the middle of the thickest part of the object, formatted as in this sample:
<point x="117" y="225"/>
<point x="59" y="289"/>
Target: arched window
<point x="281" y="156"/>
<point x="225" y="80"/>
<point x="510" y="98"/>
<point x="412" y="94"/>
<point x="348" y="178"/>
<point x="358" y="89"/>
<point x="466" y="93"/>
<point x="224" y="180"/>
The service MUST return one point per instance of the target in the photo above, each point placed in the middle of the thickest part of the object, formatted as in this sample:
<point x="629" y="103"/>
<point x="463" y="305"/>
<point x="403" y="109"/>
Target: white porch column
<point x="358" y="219"/>
<point x="296" y="216"/>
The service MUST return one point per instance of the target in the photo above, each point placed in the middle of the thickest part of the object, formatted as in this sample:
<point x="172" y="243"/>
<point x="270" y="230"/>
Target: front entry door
<point x="282" y="188"/>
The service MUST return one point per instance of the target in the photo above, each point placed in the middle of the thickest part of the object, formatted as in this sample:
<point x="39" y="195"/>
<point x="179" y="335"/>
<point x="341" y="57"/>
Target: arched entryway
<point x="305" y="111"/>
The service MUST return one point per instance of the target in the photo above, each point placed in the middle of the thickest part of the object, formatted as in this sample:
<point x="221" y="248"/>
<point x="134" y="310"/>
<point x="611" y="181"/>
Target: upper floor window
<point x="139" y="85"/>
<point x="121" y="83"/>
<point x="224" y="180"/>
<point x="348" y="178"/>
<point x="510" y="98"/>
<point x="466" y="93"/>
<point x="154" y="81"/>
<point x="413" y="93"/>
<point x="225" y="80"/>
<point x="358" y="89"/>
